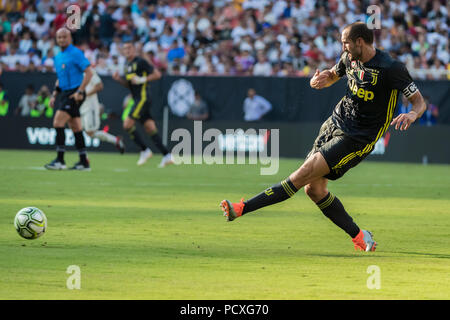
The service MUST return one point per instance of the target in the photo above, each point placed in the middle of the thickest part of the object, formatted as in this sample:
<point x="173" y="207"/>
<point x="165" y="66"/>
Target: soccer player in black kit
<point x="138" y="72"/>
<point x="374" y="82"/>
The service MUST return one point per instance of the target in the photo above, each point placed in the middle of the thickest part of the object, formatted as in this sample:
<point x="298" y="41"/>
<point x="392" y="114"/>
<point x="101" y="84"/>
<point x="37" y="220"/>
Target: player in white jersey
<point x="90" y="114"/>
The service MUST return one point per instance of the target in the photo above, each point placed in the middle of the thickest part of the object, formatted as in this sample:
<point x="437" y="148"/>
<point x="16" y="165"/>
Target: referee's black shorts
<point x="67" y="104"/>
<point x="340" y="151"/>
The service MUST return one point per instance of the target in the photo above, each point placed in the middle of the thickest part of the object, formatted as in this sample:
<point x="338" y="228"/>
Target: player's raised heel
<point x="364" y="241"/>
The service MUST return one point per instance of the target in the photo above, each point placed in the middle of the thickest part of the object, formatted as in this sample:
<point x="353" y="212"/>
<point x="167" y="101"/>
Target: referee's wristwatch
<point x="82" y="92"/>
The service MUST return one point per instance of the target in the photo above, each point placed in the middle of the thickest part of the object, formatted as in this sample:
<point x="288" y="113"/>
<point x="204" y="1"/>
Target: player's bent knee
<point x="59" y="123"/>
<point x="315" y="192"/>
<point x="302" y="175"/>
<point x="314" y="168"/>
<point x="128" y="124"/>
<point x="60" y="119"/>
<point x="150" y="127"/>
<point x="75" y="124"/>
<point x="308" y="190"/>
<point x="56" y="122"/>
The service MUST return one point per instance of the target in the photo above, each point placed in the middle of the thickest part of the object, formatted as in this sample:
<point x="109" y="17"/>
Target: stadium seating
<point x="224" y="37"/>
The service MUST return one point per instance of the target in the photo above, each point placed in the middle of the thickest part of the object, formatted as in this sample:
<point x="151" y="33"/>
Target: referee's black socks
<point x="81" y="147"/>
<point x="277" y="193"/>
<point x="333" y="209"/>
<point x="60" y="144"/>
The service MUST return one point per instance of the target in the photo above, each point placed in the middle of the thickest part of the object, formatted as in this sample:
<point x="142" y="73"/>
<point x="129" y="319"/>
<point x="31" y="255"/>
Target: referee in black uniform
<point x="74" y="72"/>
<point x="374" y="82"/>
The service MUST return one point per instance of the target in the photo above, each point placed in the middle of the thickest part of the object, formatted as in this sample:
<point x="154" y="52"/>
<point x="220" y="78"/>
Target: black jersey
<point x="138" y="67"/>
<point x="373" y="87"/>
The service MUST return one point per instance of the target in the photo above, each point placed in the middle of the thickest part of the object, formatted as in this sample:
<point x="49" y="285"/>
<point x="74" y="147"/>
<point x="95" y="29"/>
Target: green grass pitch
<point x="149" y="233"/>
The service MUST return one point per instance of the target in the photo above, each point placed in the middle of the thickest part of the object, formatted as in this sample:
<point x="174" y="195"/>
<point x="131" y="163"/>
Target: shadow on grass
<point x="428" y="255"/>
<point x="362" y="255"/>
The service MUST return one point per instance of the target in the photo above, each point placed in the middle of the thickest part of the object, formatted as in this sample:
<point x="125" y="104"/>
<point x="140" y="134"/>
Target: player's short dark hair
<point x="360" y="30"/>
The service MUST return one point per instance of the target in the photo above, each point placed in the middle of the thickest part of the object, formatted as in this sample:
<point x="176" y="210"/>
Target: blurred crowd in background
<point x="224" y="37"/>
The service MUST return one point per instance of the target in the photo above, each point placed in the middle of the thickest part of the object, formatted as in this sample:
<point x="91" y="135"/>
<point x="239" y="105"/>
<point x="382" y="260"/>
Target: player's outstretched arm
<point x="324" y="79"/>
<point x="404" y="120"/>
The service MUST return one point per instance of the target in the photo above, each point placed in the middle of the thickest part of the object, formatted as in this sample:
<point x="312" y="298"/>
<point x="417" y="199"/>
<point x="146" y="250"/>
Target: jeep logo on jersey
<point x="360" y="92"/>
<point x="180" y="97"/>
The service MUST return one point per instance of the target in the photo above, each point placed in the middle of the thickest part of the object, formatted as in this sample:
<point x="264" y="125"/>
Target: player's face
<point x="354" y="48"/>
<point x="128" y="50"/>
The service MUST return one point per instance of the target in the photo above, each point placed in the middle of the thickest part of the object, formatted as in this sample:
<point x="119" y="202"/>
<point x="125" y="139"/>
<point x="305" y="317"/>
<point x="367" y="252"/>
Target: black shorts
<point x="141" y="110"/>
<point x="340" y="151"/>
<point x="67" y="104"/>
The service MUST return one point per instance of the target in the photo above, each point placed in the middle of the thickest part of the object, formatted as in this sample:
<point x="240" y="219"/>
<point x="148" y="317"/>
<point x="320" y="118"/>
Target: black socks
<point x="81" y="147"/>
<point x="158" y="142"/>
<point x="60" y="144"/>
<point x="330" y="206"/>
<point x="333" y="209"/>
<point x="136" y="137"/>
<point x="277" y="193"/>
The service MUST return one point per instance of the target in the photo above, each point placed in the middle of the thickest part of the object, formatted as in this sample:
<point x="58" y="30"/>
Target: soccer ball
<point x="30" y="223"/>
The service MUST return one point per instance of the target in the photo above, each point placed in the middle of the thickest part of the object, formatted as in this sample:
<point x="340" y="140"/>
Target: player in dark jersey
<point x="374" y="82"/>
<point x="138" y="73"/>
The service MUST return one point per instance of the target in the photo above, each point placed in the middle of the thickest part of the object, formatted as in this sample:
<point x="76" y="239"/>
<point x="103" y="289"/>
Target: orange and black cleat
<point x="232" y="210"/>
<point x="364" y="241"/>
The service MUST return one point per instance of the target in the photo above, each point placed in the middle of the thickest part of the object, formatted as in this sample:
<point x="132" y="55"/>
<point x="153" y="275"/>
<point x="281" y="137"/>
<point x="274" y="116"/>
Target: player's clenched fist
<point x="320" y="79"/>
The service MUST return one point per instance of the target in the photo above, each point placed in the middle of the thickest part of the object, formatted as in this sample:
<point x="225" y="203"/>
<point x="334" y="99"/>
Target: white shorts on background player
<point x="90" y="109"/>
